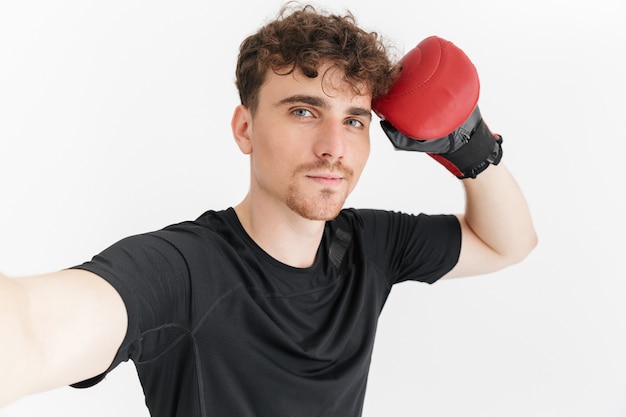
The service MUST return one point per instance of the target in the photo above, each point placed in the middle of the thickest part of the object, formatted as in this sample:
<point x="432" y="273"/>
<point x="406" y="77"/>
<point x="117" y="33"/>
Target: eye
<point x="302" y="113"/>
<point x="355" y="123"/>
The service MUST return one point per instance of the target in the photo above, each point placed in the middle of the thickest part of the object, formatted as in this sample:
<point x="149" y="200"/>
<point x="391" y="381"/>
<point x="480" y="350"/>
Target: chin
<point x="318" y="214"/>
<point x="323" y="209"/>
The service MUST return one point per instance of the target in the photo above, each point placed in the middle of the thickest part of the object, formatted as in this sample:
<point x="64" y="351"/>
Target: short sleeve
<point x="418" y="247"/>
<point x="152" y="277"/>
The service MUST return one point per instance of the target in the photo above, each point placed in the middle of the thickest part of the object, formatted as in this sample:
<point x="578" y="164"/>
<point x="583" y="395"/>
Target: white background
<point x="114" y="120"/>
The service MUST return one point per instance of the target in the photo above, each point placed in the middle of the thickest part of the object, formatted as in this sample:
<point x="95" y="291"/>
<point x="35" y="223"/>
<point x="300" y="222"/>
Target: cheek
<point x="362" y="153"/>
<point x="271" y="162"/>
<point x="360" y="156"/>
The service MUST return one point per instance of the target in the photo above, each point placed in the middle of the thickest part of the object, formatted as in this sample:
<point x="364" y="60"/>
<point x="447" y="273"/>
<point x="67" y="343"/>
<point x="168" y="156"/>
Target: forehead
<point x="329" y="83"/>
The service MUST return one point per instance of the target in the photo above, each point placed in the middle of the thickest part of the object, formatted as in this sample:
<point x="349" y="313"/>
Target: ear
<point x="241" y="125"/>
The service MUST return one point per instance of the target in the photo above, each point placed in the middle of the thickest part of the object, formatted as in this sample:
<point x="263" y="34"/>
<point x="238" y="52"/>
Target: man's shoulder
<point x="212" y="228"/>
<point x="377" y="220"/>
<point x="209" y="220"/>
<point x="362" y="215"/>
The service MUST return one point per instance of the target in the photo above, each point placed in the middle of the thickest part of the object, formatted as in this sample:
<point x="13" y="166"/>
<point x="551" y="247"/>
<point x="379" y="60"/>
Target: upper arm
<point x="476" y="257"/>
<point x="76" y="323"/>
<point x="497" y="228"/>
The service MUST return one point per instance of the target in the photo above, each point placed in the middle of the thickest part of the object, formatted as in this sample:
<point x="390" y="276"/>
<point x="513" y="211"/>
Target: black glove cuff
<point x="466" y="152"/>
<point x="481" y="150"/>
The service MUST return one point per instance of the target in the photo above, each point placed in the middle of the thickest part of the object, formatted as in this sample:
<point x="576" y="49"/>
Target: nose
<point x="330" y="144"/>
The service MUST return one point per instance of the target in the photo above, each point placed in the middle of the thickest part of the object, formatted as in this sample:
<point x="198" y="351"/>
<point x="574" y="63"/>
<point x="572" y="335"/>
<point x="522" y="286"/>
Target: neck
<point x="283" y="234"/>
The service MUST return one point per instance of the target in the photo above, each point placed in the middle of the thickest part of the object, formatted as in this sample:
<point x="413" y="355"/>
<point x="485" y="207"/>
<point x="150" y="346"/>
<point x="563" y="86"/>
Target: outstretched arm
<point x="57" y="329"/>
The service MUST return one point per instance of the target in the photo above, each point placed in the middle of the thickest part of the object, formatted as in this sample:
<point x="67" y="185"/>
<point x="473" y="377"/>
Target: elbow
<point x="532" y="242"/>
<point x="523" y="248"/>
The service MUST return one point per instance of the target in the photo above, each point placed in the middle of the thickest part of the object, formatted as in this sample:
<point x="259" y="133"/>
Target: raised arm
<point x="57" y="329"/>
<point x="497" y="229"/>
<point x="432" y="108"/>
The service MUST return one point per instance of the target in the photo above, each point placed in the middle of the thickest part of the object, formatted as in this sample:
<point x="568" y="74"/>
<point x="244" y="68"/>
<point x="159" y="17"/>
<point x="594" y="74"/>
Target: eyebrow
<point x="316" y="101"/>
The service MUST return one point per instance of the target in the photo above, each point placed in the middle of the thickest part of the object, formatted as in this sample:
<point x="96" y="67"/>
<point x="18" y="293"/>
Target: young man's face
<point x="309" y="142"/>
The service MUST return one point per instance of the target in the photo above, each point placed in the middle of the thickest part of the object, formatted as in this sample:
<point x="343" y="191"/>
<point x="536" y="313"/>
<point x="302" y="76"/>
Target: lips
<point x="325" y="176"/>
<point x="324" y="173"/>
<point x="329" y="180"/>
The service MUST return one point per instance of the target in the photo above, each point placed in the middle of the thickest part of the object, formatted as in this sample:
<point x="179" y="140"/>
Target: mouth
<point x="325" y="174"/>
<point x="327" y="180"/>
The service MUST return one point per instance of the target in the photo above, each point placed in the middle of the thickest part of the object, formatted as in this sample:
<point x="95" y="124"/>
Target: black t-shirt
<point x="217" y="327"/>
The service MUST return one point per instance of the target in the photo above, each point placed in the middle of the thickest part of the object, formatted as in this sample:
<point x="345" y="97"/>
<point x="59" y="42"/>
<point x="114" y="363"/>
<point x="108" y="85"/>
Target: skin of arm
<point x="58" y="329"/>
<point x="497" y="229"/>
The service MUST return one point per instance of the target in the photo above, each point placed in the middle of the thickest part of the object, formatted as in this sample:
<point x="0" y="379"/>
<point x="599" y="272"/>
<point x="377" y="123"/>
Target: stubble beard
<point x="324" y="204"/>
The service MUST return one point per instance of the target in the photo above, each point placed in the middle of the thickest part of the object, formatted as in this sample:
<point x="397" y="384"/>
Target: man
<point x="269" y="308"/>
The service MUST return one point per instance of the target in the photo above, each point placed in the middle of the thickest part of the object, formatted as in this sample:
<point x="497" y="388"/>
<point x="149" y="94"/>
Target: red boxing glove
<point x="432" y="108"/>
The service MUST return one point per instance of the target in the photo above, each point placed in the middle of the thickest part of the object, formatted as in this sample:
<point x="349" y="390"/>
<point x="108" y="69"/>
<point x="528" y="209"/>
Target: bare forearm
<point x="48" y="345"/>
<point x="18" y="356"/>
<point x="498" y="214"/>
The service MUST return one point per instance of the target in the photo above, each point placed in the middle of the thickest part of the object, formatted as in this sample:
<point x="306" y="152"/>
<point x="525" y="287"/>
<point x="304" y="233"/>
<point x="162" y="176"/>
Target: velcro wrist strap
<point x="481" y="149"/>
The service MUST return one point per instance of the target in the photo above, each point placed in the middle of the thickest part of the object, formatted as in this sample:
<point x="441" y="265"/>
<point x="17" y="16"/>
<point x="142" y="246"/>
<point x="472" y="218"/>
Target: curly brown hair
<point x="303" y="38"/>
